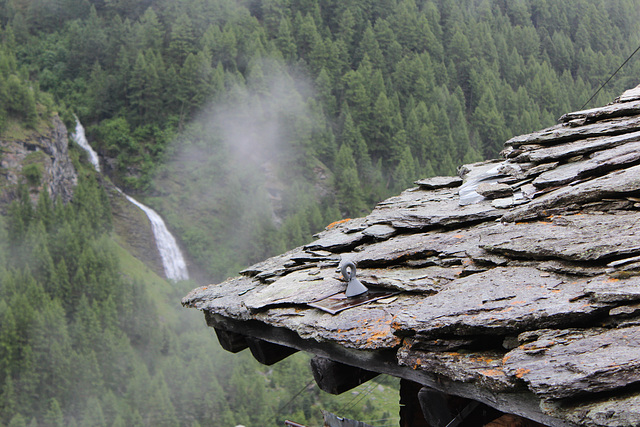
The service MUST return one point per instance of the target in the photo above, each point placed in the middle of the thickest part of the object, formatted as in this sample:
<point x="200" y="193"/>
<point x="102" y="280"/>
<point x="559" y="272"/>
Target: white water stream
<point x="175" y="268"/>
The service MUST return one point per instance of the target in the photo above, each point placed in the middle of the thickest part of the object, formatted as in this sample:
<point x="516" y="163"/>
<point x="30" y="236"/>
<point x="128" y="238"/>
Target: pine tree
<point x="490" y="124"/>
<point x="54" y="416"/>
<point x="8" y="402"/>
<point x="183" y="40"/>
<point x="369" y="46"/>
<point x="17" y="421"/>
<point x="150" y="33"/>
<point x="92" y="415"/>
<point x="284" y="40"/>
<point x="348" y="184"/>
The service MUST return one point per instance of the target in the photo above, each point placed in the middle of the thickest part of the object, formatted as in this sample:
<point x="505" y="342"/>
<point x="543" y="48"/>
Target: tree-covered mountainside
<point x="88" y="338"/>
<point x="89" y="335"/>
<point x="249" y="125"/>
<point x="255" y="123"/>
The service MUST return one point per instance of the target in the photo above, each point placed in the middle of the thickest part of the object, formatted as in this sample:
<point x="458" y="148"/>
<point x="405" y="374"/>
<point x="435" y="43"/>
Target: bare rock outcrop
<point x="39" y="158"/>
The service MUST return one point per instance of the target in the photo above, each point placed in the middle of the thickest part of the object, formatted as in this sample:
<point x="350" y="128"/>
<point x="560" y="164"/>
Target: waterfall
<point x="175" y="268"/>
<point x="80" y="138"/>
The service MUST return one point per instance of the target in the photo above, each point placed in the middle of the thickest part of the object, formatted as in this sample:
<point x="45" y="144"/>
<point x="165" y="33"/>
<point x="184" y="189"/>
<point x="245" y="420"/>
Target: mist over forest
<point x="248" y="126"/>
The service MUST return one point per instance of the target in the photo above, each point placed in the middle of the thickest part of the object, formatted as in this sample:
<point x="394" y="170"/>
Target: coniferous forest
<point x="249" y="126"/>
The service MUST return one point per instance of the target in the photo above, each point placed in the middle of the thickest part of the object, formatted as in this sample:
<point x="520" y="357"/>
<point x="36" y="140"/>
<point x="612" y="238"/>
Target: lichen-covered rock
<point x="569" y="363"/>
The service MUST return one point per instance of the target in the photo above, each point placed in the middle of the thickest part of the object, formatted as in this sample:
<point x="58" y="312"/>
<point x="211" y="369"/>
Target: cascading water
<point x="175" y="268"/>
<point x="81" y="139"/>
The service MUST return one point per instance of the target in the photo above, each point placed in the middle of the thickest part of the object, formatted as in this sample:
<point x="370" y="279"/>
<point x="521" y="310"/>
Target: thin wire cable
<point x="381" y="419"/>
<point x="610" y="77"/>
<point x="296" y="395"/>
<point x="361" y="397"/>
<point x="348" y="404"/>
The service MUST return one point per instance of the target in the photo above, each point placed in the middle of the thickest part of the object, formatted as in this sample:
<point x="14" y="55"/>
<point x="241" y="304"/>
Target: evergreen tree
<point x="348" y="183"/>
<point x="182" y="39"/>
<point x="490" y="124"/>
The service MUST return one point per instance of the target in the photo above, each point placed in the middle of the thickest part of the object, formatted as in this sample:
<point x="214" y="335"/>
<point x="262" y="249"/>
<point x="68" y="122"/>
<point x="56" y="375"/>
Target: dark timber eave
<point x="523" y="403"/>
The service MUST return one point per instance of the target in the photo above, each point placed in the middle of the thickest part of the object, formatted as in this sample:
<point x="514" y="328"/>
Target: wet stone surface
<point x="491" y="303"/>
<point x="569" y="363"/>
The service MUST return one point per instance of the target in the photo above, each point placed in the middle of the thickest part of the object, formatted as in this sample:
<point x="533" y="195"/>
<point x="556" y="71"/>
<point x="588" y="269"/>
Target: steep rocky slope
<point x="39" y="157"/>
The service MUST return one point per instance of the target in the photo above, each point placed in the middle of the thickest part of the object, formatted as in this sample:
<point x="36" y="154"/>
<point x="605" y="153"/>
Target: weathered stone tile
<point x="337" y="241"/>
<point x="440" y="209"/>
<point x="310" y="256"/>
<point x="299" y="287"/>
<point x="572" y="268"/>
<point x="576" y="148"/>
<point x="608" y="289"/>
<point x="568" y="363"/>
<point x="619" y="410"/>
<point x="585" y="237"/>
<point x="379" y="231"/>
<point x="620" y="182"/>
<point x="426" y="280"/>
<point x="402" y="248"/>
<point x="501" y="300"/>
<point x="494" y="190"/>
<point x="225" y="299"/>
<point x="439" y="182"/>
<point x="366" y="327"/>
<point x="600" y="162"/>
<point x="629" y="107"/>
<point x="563" y="133"/>
<point x="483" y="368"/>
<point x="272" y="266"/>
<point x="395" y="250"/>
<point x="629" y="95"/>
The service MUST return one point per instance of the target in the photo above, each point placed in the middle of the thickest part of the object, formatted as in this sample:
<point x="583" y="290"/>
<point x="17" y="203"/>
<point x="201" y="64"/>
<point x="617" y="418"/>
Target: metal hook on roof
<point x="354" y="287"/>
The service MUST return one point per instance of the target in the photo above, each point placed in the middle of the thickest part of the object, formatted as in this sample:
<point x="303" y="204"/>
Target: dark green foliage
<point x="17" y="96"/>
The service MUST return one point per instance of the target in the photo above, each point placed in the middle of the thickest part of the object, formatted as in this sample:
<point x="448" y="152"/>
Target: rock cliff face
<point x="40" y="158"/>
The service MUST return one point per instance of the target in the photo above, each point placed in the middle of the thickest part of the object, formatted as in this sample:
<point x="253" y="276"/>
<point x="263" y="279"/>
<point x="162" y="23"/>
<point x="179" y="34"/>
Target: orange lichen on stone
<point x="521" y="372"/>
<point x="482" y="359"/>
<point x="517" y="302"/>
<point x="380" y="331"/>
<point x="417" y="364"/>
<point x="333" y="224"/>
<point x="492" y="372"/>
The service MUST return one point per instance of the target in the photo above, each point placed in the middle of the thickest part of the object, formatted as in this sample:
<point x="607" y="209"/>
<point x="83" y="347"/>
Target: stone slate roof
<point x="519" y="280"/>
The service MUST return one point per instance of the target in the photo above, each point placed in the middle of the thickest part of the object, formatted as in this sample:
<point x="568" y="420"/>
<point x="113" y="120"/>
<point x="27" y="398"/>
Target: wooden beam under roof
<point x="336" y="378"/>
<point x="523" y="402"/>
